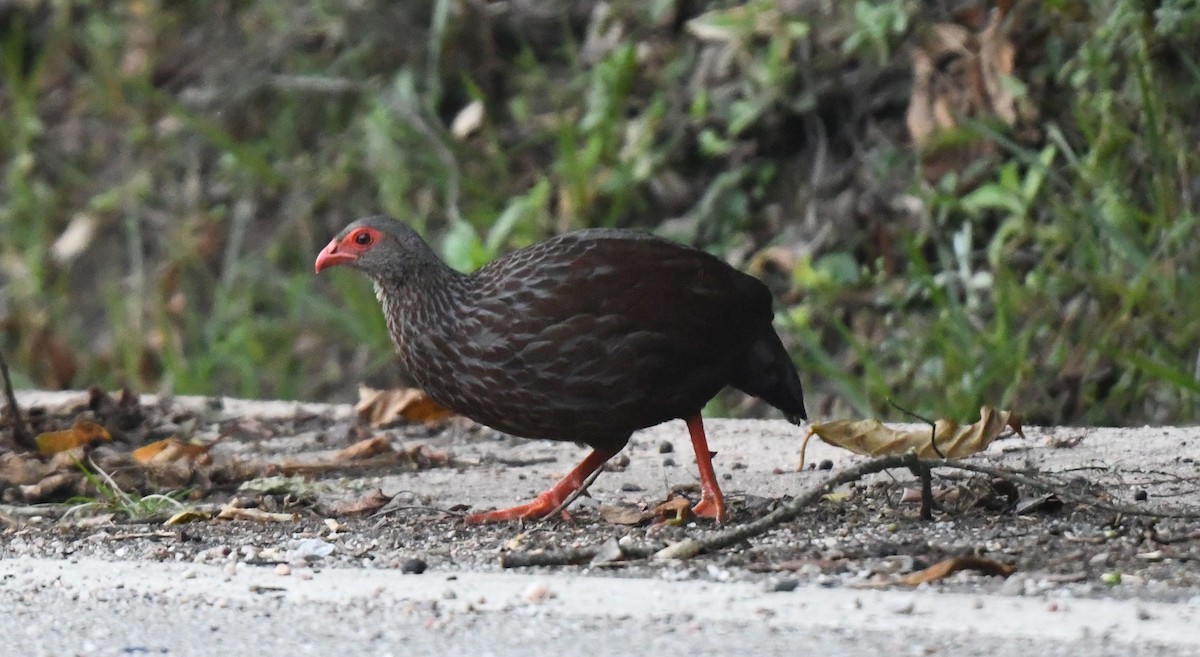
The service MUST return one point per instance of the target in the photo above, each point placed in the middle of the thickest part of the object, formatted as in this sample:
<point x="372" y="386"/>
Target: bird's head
<point x="380" y="247"/>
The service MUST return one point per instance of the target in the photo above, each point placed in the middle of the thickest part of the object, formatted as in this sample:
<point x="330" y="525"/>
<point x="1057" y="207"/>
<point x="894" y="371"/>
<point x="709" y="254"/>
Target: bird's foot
<point x="547" y="502"/>
<point x="542" y="506"/>
<point x="712" y="502"/>
<point x="710" y="506"/>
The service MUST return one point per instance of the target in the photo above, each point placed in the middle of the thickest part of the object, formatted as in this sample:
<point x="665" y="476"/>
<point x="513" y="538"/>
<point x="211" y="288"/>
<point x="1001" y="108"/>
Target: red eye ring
<point x="362" y="238"/>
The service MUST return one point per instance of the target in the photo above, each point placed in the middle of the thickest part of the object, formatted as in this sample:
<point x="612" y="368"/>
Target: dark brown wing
<point x="595" y="334"/>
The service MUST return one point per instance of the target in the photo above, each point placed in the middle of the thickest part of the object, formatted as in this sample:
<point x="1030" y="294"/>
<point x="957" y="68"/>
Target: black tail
<point x="769" y="374"/>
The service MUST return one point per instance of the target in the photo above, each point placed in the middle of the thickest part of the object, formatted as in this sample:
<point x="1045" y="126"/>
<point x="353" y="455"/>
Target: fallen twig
<point x="568" y="557"/>
<point x="932" y="440"/>
<point x="575" y="494"/>
<point x="21" y="433"/>
<point x="690" y="547"/>
<point x="1062" y="491"/>
<point x="693" y="546"/>
<point x="922" y="472"/>
<point x="388" y="509"/>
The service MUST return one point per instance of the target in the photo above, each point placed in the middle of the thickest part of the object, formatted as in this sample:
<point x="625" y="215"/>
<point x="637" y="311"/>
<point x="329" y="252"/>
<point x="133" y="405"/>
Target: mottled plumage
<point x="585" y="337"/>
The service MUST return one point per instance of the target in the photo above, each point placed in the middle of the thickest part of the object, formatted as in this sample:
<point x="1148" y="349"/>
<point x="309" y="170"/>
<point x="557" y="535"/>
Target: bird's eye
<point x="362" y="238"/>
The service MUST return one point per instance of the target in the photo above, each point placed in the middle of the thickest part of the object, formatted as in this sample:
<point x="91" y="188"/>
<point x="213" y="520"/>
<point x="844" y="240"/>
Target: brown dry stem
<point x="20" y="431"/>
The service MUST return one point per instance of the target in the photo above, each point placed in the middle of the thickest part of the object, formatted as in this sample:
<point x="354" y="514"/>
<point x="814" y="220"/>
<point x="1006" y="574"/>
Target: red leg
<point x="548" y="501"/>
<point x="712" y="502"/>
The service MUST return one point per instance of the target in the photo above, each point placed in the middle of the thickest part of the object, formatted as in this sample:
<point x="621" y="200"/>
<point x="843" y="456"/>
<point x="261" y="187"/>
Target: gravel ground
<point x="76" y="608"/>
<point x="857" y="543"/>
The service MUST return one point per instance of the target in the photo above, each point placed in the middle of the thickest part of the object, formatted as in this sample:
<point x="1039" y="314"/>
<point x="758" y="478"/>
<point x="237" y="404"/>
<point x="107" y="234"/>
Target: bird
<point x="585" y="337"/>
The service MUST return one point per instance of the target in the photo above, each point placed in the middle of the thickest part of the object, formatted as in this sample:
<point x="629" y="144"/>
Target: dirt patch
<point x="867" y="534"/>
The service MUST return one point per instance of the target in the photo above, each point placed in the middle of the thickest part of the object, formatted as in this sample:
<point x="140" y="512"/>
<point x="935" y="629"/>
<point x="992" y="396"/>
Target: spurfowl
<point x="585" y="337"/>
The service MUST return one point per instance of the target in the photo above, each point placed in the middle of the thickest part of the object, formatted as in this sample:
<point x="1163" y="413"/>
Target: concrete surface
<point x="186" y="609"/>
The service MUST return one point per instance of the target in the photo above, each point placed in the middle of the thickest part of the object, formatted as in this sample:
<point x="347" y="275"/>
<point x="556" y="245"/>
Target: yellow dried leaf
<point x="231" y="512"/>
<point x="364" y="449"/>
<point x="186" y="516"/>
<point x="82" y="433"/>
<point x="873" y="438"/>
<point x="380" y="407"/>
<point x="169" y="450"/>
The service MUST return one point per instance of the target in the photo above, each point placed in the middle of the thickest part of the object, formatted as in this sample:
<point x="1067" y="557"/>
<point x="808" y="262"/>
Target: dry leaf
<point x="946" y="567"/>
<point x="380" y="407"/>
<point x="364" y="449"/>
<point x="20" y="469"/>
<point x="358" y="457"/>
<point x="81" y="434"/>
<point x="959" y="76"/>
<point x="186" y="516"/>
<point x="369" y="503"/>
<point x="873" y="438"/>
<point x="231" y="512"/>
<point x="675" y="511"/>
<point x="61" y="484"/>
<point x="170" y="450"/>
<point x="98" y="520"/>
<point x="621" y="515"/>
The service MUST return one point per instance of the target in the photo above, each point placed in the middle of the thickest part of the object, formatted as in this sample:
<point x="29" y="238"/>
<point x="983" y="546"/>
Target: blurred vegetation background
<point x="956" y="203"/>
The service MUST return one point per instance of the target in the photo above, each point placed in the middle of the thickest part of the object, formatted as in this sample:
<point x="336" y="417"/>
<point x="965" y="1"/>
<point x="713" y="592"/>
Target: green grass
<point x="217" y="152"/>
<point x="110" y="498"/>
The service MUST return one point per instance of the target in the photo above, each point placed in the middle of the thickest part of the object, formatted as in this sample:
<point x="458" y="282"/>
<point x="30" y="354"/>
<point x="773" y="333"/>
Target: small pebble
<point x="630" y="487"/>
<point x="668" y="462"/>
<point x="1141" y="496"/>
<point x="308" y="549"/>
<point x="825" y="464"/>
<point x="283" y="570"/>
<point x="537" y="592"/>
<point x="785" y="585"/>
<point x="902" y="606"/>
<point x="666" y="447"/>
<point x="414" y="566"/>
